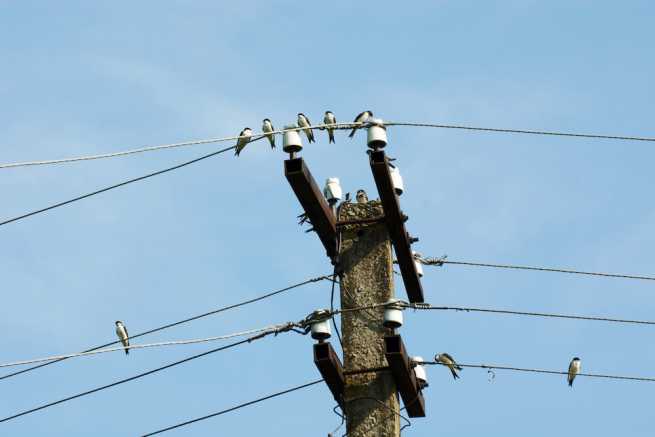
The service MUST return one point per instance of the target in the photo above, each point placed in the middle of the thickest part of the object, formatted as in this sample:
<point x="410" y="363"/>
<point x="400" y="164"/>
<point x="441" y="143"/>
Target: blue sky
<point x="88" y="77"/>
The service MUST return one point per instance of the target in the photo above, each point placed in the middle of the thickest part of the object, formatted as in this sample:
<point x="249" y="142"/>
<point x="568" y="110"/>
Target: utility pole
<point x="358" y="242"/>
<point x="366" y="265"/>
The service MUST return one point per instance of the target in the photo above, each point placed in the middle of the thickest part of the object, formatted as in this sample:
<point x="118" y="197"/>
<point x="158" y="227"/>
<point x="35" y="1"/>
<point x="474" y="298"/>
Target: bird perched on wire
<point x="304" y="122"/>
<point x="123" y="336"/>
<point x="362" y="117"/>
<point x="574" y="369"/>
<point x="244" y="138"/>
<point x="330" y="119"/>
<point x="361" y="196"/>
<point x="267" y="127"/>
<point x="448" y="361"/>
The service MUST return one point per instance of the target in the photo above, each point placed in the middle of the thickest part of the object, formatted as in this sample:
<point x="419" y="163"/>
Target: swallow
<point x="330" y="119"/>
<point x="123" y="336"/>
<point x="448" y="361"/>
<point x="268" y="127"/>
<point x="361" y="118"/>
<point x="574" y="369"/>
<point x="304" y="122"/>
<point x="361" y="196"/>
<point x="245" y="136"/>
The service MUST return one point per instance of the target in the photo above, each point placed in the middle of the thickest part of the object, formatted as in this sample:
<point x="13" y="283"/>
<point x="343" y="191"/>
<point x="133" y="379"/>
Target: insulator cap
<point x="292" y="143"/>
<point x="418" y="264"/>
<point x="377" y="134"/>
<point x="393" y="314"/>
<point x="420" y="373"/>
<point x="320" y="325"/>
<point x="396" y="179"/>
<point x="332" y="190"/>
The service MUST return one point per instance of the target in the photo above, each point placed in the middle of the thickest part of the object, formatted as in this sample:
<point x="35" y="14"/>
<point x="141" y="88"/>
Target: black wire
<point x="132" y="378"/>
<point x="236" y="407"/>
<point x="170" y="325"/>
<point x="102" y="190"/>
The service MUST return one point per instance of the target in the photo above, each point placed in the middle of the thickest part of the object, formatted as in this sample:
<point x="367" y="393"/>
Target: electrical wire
<point x="286" y="328"/>
<point x="522" y="131"/>
<point x="180" y="322"/>
<point x="254" y="137"/>
<point x="337" y="126"/>
<point x="142" y="346"/>
<point x="236" y="407"/>
<point x="534" y="314"/>
<point x="441" y="261"/>
<point x="111" y="187"/>
<point x="551" y="372"/>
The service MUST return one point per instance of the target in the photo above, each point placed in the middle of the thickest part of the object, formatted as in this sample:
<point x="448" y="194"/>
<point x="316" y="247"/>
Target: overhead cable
<point x="441" y="261"/>
<point x="338" y="126"/>
<point x="140" y="346"/>
<point x="111" y="187"/>
<point x="551" y="372"/>
<point x="236" y="407"/>
<point x="180" y="322"/>
<point x="421" y="306"/>
<point x="286" y="328"/>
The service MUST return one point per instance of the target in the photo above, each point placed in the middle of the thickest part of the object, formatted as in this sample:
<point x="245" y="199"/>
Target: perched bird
<point x="268" y="127"/>
<point x="574" y="369"/>
<point x="361" y="196"/>
<point x="304" y="122"/>
<point x="361" y="118"/>
<point x="449" y="361"/>
<point x="245" y="135"/>
<point x="330" y="119"/>
<point x="123" y="336"/>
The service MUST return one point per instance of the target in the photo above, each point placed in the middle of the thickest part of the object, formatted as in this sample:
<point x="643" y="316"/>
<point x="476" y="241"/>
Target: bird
<point x="267" y="126"/>
<point x="361" y="118"/>
<point x="330" y="119"/>
<point x="305" y="123"/>
<point x="574" y="369"/>
<point x="244" y="138"/>
<point x="449" y="361"/>
<point x="123" y="336"/>
<point x="361" y="196"/>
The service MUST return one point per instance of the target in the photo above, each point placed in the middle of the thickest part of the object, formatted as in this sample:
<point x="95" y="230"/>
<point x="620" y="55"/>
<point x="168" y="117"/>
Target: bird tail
<point x="571" y="382"/>
<point x="455" y="375"/>
<point x="352" y="133"/>
<point x="127" y="351"/>
<point x="310" y="136"/>
<point x="331" y="135"/>
<point x="271" y="140"/>
<point x="237" y="151"/>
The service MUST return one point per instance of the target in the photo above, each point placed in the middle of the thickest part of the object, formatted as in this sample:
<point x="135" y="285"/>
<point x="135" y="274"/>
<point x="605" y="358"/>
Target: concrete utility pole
<point x="365" y="260"/>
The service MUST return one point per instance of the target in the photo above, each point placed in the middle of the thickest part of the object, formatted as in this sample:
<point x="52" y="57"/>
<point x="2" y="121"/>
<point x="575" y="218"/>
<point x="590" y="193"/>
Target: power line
<point x="256" y="137"/>
<point x="190" y="319"/>
<point x="111" y="187"/>
<point x="141" y="346"/>
<point x="236" y="407"/>
<point x="551" y="372"/>
<point x="524" y="313"/>
<point x="523" y="131"/>
<point x="288" y="327"/>
<point x="338" y="126"/>
<point x="443" y="260"/>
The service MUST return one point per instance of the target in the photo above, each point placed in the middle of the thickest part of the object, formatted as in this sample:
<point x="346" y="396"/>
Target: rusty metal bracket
<point x="329" y="365"/>
<point x="396" y="225"/>
<point x="313" y="202"/>
<point x="401" y="369"/>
